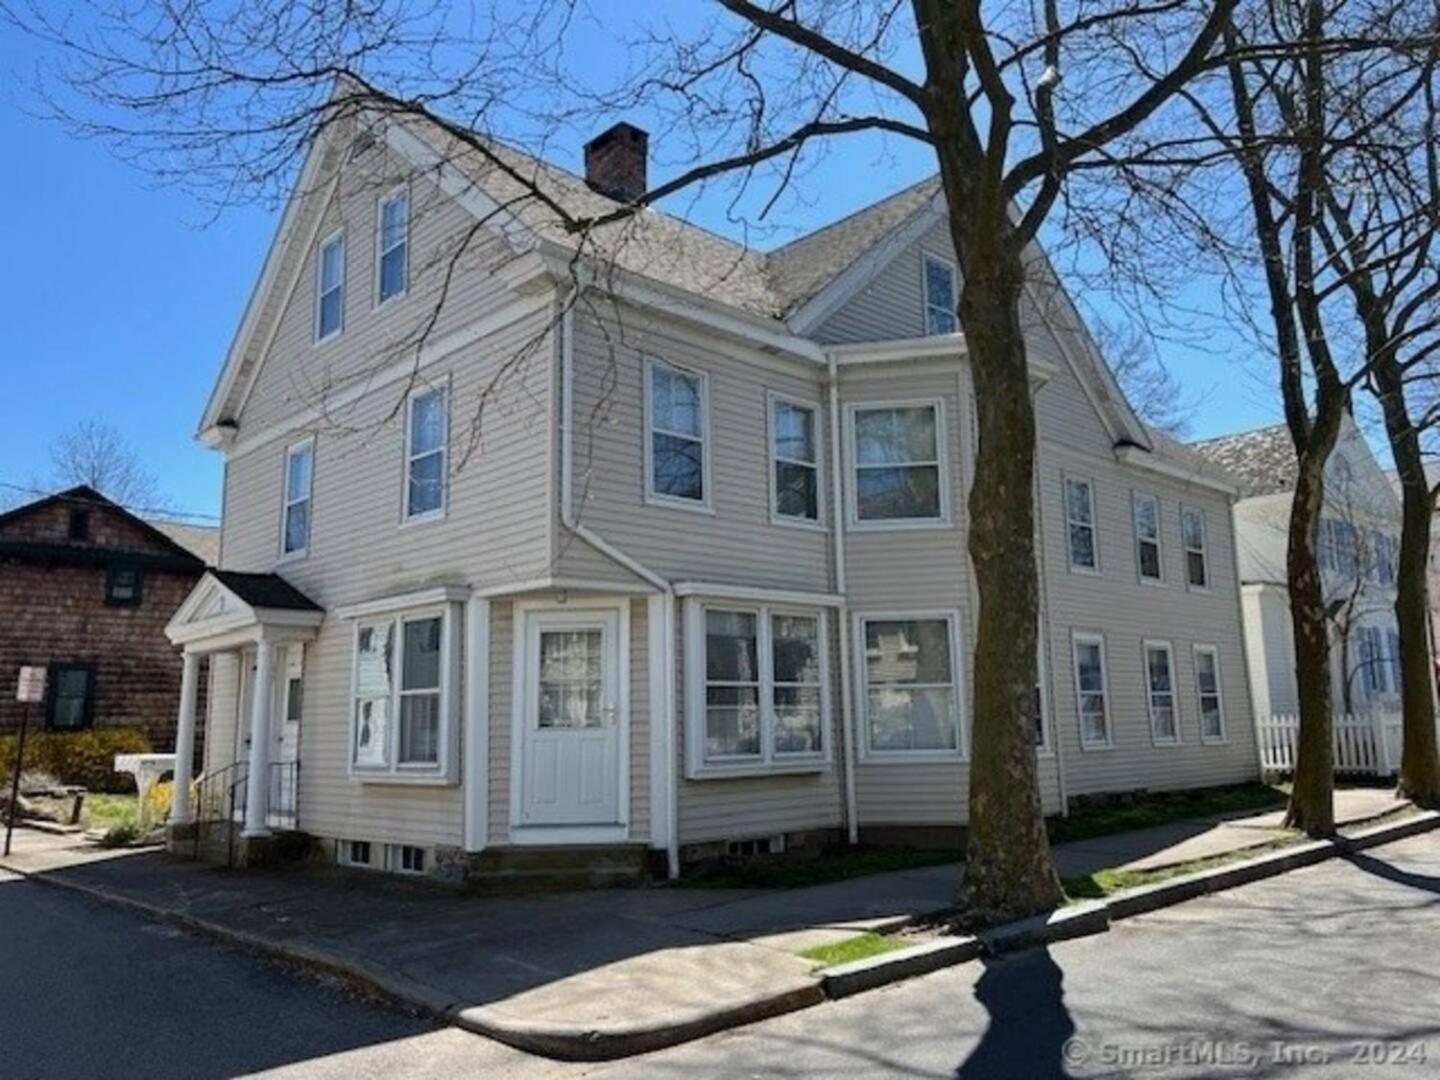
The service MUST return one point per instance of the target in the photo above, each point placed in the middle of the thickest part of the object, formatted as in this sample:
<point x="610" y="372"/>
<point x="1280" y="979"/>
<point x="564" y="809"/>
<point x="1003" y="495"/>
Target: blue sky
<point x="121" y="298"/>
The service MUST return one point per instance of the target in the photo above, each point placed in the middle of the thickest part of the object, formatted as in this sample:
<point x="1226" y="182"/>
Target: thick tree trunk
<point x="1420" y="759"/>
<point x="1008" y="868"/>
<point x="1312" y="800"/>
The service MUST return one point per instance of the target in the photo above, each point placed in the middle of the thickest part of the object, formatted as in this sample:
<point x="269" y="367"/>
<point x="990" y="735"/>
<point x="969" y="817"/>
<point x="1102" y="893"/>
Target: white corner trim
<point x="660" y="659"/>
<point x="439" y="594"/>
<point x="475" y="774"/>
<point x="757" y="594"/>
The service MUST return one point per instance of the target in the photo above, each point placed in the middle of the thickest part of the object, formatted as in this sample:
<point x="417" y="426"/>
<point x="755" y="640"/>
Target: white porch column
<point x="180" y="813"/>
<point x="257" y="782"/>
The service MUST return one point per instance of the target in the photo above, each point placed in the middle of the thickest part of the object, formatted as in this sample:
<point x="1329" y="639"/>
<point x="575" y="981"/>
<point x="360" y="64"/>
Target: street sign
<point x="31" y="685"/>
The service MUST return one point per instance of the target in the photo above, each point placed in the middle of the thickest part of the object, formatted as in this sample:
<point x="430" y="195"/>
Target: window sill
<point x="1096" y="747"/>
<point x="1165" y="743"/>
<point x="666" y="503"/>
<point x="809" y="766"/>
<point x="1084" y="571"/>
<point x="1153" y="583"/>
<point x="286" y="559"/>
<point x="805" y="524"/>
<point x="913" y="757"/>
<point x="400" y="778"/>
<point x="1223" y="740"/>
<point x="327" y="338"/>
<point x="423" y="519"/>
<point x="884" y="525"/>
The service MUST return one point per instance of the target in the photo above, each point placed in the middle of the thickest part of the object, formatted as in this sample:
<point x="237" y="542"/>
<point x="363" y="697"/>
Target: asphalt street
<point x="1327" y="972"/>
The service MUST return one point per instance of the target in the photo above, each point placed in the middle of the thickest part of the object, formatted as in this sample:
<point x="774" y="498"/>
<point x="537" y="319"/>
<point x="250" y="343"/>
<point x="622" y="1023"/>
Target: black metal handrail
<point x="221" y="796"/>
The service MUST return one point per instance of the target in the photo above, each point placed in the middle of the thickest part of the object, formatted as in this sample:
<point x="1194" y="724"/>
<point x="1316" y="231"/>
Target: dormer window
<point x="330" y="288"/>
<point x="940" y="302"/>
<point x="393" y="246"/>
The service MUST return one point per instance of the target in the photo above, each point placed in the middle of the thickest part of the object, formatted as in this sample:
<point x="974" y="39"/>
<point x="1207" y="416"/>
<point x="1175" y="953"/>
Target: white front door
<point x="572" y="717"/>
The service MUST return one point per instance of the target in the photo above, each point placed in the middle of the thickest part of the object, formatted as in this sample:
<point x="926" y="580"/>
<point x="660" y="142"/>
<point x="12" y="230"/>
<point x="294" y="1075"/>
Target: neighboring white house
<point x="1359" y="548"/>
<point x="682" y="567"/>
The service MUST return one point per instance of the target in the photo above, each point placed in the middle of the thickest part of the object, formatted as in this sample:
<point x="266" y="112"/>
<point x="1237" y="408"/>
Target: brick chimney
<point x="615" y="162"/>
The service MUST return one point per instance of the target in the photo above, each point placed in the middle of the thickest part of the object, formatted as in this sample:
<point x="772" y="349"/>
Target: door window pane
<point x="571" y="679"/>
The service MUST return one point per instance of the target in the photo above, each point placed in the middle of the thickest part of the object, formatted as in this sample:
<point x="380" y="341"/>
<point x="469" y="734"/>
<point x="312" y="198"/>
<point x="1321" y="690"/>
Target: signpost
<point x="29" y="689"/>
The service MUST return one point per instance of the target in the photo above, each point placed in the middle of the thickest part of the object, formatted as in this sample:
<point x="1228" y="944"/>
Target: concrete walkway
<point x="1186" y="841"/>
<point x="588" y="974"/>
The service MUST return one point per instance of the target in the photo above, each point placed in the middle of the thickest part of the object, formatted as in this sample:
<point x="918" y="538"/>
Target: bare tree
<point x="1025" y="109"/>
<point x="1149" y="385"/>
<point x="95" y="453"/>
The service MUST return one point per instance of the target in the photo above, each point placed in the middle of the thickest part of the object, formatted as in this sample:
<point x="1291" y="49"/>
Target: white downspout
<point x="665" y="714"/>
<point x="837" y="518"/>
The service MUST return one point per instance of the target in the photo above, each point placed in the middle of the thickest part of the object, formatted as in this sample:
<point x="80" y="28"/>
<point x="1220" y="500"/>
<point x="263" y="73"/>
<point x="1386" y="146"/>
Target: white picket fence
<point x="1365" y="743"/>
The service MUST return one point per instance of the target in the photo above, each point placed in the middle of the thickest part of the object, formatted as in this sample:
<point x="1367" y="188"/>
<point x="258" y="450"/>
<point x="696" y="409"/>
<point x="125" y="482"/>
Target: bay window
<point x="912" y="693"/>
<point x="757" y="690"/>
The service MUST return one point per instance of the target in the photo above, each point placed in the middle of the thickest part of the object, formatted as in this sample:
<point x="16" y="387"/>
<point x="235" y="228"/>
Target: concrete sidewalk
<point x="1203" y="838"/>
<point x="595" y="974"/>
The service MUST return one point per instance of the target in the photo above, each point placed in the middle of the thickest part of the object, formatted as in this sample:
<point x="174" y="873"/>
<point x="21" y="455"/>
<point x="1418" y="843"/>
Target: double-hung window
<point x="1192" y="535"/>
<point x="940" y="302"/>
<point x="758" y="691"/>
<point x="1147" y="538"/>
<point x="425" y="441"/>
<point x="1091" y="693"/>
<point x="401" y="708"/>
<point x="330" y="288"/>
<point x="1160" y="692"/>
<point x="70" y="703"/>
<point x="295" y="515"/>
<point x="392" y="246"/>
<point x="124" y="585"/>
<point x="795" y="465"/>
<point x="677" y="470"/>
<point x="899" y="464"/>
<point x="1207" y="688"/>
<point x="1080" y="545"/>
<point x="912" y="692"/>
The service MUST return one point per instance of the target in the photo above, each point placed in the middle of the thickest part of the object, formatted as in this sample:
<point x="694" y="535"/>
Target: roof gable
<point x="111" y="528"/>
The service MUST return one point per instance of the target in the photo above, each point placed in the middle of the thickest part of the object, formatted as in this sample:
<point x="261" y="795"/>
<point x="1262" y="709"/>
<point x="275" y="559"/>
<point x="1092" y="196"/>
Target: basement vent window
<point x="354" y="852"/>
<point x="405" y="859"/>
<point x="755" y="845"/>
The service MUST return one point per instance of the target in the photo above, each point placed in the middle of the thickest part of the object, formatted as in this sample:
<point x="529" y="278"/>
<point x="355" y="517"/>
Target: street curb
<point x="574" y="1043"/>
<point x="843" y="980"/>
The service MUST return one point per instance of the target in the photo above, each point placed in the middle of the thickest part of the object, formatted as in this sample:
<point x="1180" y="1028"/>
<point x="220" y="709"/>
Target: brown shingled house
<point x="86" y="589"/>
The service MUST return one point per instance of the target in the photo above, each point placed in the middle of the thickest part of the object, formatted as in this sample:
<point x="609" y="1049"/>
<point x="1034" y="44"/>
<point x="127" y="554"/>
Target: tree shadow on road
<point x="1029" y="1023"/>
<point x="1390" y="872"/>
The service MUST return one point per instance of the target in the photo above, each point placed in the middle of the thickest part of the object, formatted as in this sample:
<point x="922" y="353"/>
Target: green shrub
<point x="86" y="758"/>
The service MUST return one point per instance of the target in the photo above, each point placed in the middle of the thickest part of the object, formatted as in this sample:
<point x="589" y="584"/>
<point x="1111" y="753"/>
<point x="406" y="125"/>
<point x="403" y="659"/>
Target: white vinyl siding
<point x="1149" y="557"/>
<point x="330" y="288"/>
<point x="1081" y="544"/>
<point x="1208" y="693"/>
<point x="677" y="459"/>
<point x="426" y="441"/>
<point x="392" y="246"/>
<point x="940" y="301"/>
<point x="1193" y="539"/>
<point x="912" y="700"/>
<point x="795" y="491"/>
<point x="1092" y="692"/>
<point x="899" y="476"/>
<point x="299" y="482"/>
<point x="1160" y="693"/>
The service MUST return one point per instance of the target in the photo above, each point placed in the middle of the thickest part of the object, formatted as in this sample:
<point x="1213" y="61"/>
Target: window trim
<point x="1204" y="548"/>
<point x="445" y="771"/>
<point x="307" y="443"/>
<point x="1092" y="637"/>
<point x="958" y="652"/>
<point x="818" y="523"/>
<point x="441" y="387"/>
<point x="1066" y="478"/>
<point x="926" y="258"/>
<point x="1136" y="498"/>
<point x="386" y="197"/>
<point x="52" y="690"/>
<point x="114" y="568"/>
<point x="768" y="762"/>
<point x="1214" y="650"/>
<point x="1145" y="646"/>
<point x="705" y="504"/>
<point x="338" y="234"/>
<point x="853" y="521"/>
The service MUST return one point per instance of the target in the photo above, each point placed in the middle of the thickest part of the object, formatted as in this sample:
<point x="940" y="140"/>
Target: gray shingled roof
<point x="1262" y="460"/>
<point x="671" y="250"/>
<point x="202" y="541"/>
